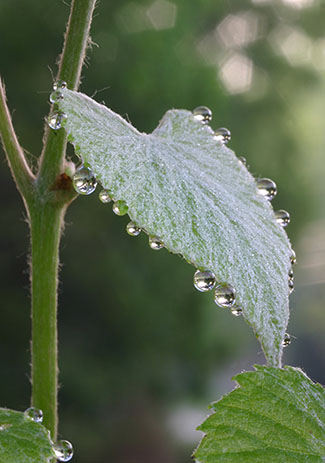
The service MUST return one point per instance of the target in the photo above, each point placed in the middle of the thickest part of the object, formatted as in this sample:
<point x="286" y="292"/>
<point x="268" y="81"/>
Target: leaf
<point x="275" y="416"/>
<point x="191" y="191"/>
<point x="22" y="440"/>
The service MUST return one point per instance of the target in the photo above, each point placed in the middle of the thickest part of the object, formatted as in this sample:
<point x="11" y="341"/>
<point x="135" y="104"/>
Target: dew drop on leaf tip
<point x="267" y="188"/>
<point x="202" y="114"/>
<point x="155" y="243"/>
<point x="84" y="180"/>
<point x="56" y="120"/>
<point x="104" y="196"/>
<point x="120" y="208"/>
<point x="34" y="414"/>
<point x="204" y="280"/>
<point x="282" y="217"/>
<point x="225" y="295"/>
<point x="132" y="229"/>
<point x="63" y="450"/>
<point x="222" y="135"/>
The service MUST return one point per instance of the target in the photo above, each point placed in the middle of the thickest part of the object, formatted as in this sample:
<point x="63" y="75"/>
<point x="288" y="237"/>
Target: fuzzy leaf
<point x="22" y="440"/>
<point x="275" y="416"/>
<point x="191" y="191"/>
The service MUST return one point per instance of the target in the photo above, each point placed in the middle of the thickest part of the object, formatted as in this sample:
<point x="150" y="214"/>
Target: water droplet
<point x="236" y="310"/>
<point x="222" y="135"/>
<point x="59" y="84"/>
<point x="204" y="280"/>
<point x="155" y="243"/>
<point x="267" y="188"/>
<point x="291" y="286"/>
<point x="286" y="340"/>
<point x="132" y="229"/>
<point x="282" y="217"/>
<point x="63" y="450"/>
<point x="120" y="207"/>
<point x="56" y="120"/>
<point x="225" y="295"/>
<point x="290" y="274"/>
<point x="202" y="114"/>
<point x="242" y="160"/>
<point x="56" y="96"/>
<point x="34" y="414"/>
<point x="84" y="180"/>
<point x="104" y="196"/>
<point x="293" y="257"/>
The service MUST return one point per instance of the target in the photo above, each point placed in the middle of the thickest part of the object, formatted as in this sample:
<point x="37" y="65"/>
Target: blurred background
<point x="142" y="353"/>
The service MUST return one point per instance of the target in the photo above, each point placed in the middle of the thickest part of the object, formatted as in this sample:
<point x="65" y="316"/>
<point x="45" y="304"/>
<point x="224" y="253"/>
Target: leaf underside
<point x="275" y="416"/>
<point x="22" y="440"/>
<point x="192" y="192"/>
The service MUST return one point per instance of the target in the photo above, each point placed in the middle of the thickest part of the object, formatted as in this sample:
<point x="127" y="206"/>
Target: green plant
<point x="93" y="130"/>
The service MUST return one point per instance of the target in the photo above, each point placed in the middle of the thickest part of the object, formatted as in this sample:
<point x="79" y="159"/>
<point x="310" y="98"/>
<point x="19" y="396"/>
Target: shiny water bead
<point x="120" y="208"/>
<point x="225" y="295"/>
<point x="84" y="180"/>
<point x="63" y="450"/>
<point x="222" y="135"/>
<point x="236" y="310"/>
<point x="293" y="257"/>
<point x="132" y="229"/>
<point x="291" y="285"/>
<point x="286" y="340"/>
<point x="56" y="96"/>
<point x="155" y="243"/>
<point x="59" y="84"/>
<point x="56" y="120"/>
<point x="204" y="280"/>
<point x="34" y="414"/>
<point x="104" y="196"/>
<point x="267" y="188"/>
<point x="242" y="160"/>
<point x="290" y="274"/>
<point x="282" y="217"/>
<point x="202" y="114"/>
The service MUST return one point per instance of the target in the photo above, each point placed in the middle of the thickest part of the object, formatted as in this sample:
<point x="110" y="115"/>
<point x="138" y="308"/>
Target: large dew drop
<point x="155" y="243"/>
<point x="132" y="229"/>
<point x="202" y="114"/>
<point x="63" y="450"/>
<point x="120" y="208"/>
<point x="84" y="180"/>
<point x="225" y="295"/>
<point x="267" y="188"/>
<point x="56" y="120"/>
<point x="282" y="217"/>
<point x="222" y="135"/>
<point x="34" y="414"/>
<point x="204" y="280"/>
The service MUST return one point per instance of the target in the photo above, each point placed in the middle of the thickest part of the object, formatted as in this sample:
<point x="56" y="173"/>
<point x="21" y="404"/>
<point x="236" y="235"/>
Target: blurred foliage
<point x="135" y="337"/>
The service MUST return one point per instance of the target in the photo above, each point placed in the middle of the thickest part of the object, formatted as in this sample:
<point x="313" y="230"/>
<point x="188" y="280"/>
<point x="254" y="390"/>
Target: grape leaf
<point x="191" y="191"/>
<point x="275" y="416"/>
<point x="22" y="440"/>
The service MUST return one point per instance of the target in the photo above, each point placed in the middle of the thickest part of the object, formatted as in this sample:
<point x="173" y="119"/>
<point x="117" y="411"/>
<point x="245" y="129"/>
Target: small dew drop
<point x="204" y="280"/>
<point x="155" y="243"/>
<point x="267" y="188"/>
<point x="202" y="114"/>
<point x="242" y="160"/>
<point x="290" y="274"/>
<point x="293" y="258"/>
<point x="63" y="450"/>
<point x="236" y="310"/>
<point x="56" y="120"/>
<point x="84" y="180"/>
<point x="56" y="96"/>
<point x="104" y="196"/>
<point x="222" y="135"/>
<point x="291" y="286"/>
<point x="286" y="340"/>
<point x="282" y="217"/>
<point x="120" y="208"/>
<point x="59" y="84"/>
<point x="225" y="295"/>
<point x="132" y="229"/>
<point x="34" y="414"/>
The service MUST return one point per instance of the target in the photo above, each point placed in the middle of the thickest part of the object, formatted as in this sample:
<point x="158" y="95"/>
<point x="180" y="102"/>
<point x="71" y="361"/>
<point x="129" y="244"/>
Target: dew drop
<point x="202" y="114"/>
<point x="242" y="160"/>
<point x="56" y="120"/>
<point x="225" y="295"/>
<point x="56" y="96"/>
<point x="236" y="310"/>
<point x="222" y="135"/>
<point x="120" y="208"/>
<point x="84" y="180"/>
<point x="104" y="196"/>
<point x="291" y="286"/>
<point x="204" y="280"/>
<point x="34" y="414"/>
<point x="155" y="243"/>
<point x="286" y="340"/>
<point x="132" y="229"/>
<point x="282" y="217"/>
<point x="290" y="274"/>
<point x="59" y="84"/>
<point x="267" y="188"/>
<point x="293" y="257"/>
<point x="63" y="450"/>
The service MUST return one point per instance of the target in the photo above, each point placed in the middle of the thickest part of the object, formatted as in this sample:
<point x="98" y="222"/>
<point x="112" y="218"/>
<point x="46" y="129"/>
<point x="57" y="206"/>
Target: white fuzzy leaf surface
<point x="191" y="191"/>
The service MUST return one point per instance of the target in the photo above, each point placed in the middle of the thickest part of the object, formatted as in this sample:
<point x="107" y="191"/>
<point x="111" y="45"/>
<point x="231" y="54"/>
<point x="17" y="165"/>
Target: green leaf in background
<point x="275" y="416"/>
<point x="180" y="184"/>
<point x="23" y="440"/>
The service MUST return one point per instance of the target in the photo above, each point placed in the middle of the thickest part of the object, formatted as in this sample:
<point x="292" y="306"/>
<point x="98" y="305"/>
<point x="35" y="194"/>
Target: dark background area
<point x="142" y="353"/>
